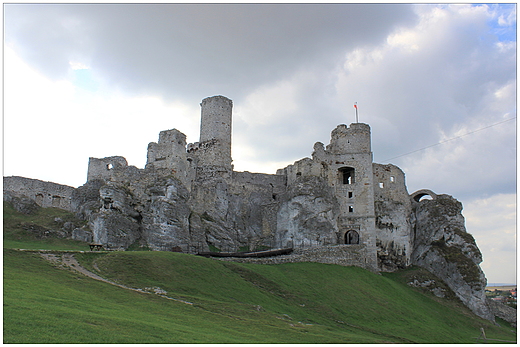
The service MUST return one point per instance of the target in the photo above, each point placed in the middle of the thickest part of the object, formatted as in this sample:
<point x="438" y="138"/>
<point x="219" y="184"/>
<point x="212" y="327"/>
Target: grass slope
<point x="232" y="303"/>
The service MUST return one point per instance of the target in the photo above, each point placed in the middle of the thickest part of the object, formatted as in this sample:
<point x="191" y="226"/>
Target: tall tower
<point x="352" y="176"/>
<point x="214" y="147"/>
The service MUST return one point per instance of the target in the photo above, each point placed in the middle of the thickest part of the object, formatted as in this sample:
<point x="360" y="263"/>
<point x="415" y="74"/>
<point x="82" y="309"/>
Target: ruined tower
<point x="214" y="146"/>
<point x="169" y="153"/>
<point x="350" y="173"/>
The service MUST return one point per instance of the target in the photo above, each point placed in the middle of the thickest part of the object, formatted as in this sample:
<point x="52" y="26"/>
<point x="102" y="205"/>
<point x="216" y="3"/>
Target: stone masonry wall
<point x="345" y="255"/>
<point x="45" y="194"/>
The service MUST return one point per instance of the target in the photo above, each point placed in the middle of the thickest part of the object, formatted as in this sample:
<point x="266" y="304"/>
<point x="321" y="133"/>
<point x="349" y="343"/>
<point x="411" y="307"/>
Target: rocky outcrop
<point x="21" y="204"/>
<point x="443" y="247"/>
<point x="165" y="213"/>
<point x="502" y="311"/>
<point x="306" y="215"/>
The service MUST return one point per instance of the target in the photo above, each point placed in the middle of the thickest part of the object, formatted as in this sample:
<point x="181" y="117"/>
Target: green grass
<point x="18" y="226"/>
<point x="232" y="303"/>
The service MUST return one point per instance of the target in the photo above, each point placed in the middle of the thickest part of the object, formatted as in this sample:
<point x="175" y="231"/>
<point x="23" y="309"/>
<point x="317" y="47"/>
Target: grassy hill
<point x="229" y="302"/>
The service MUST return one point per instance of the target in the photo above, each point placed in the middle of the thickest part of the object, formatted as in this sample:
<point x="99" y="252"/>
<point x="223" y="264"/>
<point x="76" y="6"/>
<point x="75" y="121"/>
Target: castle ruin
<point x="337" y="206"/>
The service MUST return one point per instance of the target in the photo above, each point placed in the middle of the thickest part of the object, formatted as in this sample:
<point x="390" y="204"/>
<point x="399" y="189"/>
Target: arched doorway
<point x="351" y="237"/>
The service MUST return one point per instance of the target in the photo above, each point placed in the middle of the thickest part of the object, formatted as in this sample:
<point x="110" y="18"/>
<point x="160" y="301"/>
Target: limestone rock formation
<point x="306" y="214"/>
<point x="443" y="247"/>
<point x="21" y="204"/>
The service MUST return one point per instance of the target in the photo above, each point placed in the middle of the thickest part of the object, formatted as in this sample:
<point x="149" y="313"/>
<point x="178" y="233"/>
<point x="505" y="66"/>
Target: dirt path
<point x="67" y="261"/>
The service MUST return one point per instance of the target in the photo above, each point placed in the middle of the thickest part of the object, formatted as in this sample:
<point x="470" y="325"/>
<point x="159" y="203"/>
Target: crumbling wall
<point x="393" y="212"/>
<point x="45" y="194"/>
<point x="346" y="211"/>
<point x="170" y="153"/>
<point x="502" y="311"/>
<point x="105" y="168"/>
<point x="345" y="255"/>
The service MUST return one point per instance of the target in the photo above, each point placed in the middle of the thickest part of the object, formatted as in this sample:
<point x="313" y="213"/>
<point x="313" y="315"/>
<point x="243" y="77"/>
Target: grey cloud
<point x="195" y="49"/>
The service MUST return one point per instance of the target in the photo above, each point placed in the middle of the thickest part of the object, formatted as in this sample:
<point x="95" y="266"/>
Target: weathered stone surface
<point x="45" y="194"/>
<point x="85" y="200"/>
<point x="502" y="311"/>
<point x="21" y="204"/>
<point x="165" y="217"/>
<point x="443" y="247"/>
<point x="306" y="216"/>
<point x="345" y="255"/>
<point x="80" y="234"/>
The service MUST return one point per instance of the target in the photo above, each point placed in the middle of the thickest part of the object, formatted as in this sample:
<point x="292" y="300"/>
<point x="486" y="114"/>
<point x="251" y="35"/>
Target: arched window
<point x="351" y="237"/>
<point x="423" y="194"/>
<point x="347" y="175"/>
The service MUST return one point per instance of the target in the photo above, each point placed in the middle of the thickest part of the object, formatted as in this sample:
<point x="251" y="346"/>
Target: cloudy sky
<point x="436" y="83"/>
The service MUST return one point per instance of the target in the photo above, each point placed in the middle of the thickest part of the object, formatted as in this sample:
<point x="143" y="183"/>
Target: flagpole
<point x="355" y="106"/>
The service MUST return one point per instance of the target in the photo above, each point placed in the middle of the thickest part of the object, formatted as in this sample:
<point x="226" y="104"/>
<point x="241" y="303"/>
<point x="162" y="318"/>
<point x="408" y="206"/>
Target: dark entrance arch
<point x="351" y="237"/>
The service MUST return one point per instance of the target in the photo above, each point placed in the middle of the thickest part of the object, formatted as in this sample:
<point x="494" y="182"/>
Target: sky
<point x="436" y="84"/>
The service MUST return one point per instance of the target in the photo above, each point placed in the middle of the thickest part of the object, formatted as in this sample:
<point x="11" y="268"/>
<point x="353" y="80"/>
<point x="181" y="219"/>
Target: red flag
<point x="355" y="106"/>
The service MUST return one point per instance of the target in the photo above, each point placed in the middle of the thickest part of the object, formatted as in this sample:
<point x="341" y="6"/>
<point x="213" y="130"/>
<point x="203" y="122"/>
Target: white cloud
<point x="434" y="81"/>
<point x="76" y="65"/>
<point x="53" y="127"/>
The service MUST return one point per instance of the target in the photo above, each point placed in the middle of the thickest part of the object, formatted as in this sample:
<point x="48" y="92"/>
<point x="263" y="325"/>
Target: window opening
<point x="351" y="237"/>
<point x="110" y="166"/>
<point x="350" y="195"/>
<point x="351" y="208"/>
<point x="381" y="185"/>
<point x="424" y="197"/>
<point x="347" y="175"/>
<point x="392" y="179"/>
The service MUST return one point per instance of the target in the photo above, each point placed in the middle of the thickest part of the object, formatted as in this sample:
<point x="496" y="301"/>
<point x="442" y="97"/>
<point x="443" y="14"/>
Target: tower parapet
<point x="353" y="139"/>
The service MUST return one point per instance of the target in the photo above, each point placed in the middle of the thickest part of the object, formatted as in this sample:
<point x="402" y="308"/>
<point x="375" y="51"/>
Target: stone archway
<point x="422" y="193"/>
<point x="351" y="237"/>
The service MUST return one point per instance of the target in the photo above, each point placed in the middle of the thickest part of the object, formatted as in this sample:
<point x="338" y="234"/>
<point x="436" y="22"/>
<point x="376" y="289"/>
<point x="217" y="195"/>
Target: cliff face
<point x="443" y="247"/>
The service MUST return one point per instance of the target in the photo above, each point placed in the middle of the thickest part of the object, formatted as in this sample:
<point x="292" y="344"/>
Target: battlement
<point x="353" y="139"/>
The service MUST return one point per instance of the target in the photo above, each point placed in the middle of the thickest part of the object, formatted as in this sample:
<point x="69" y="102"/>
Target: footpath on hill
<point x="67" y="261"/>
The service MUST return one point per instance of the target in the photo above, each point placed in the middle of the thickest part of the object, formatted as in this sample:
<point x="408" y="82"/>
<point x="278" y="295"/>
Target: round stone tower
<point x="215" y="132"/>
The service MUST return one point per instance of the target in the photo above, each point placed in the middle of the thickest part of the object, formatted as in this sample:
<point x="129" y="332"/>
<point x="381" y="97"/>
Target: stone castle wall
<point x="45" y="194"/>
<point x="345" y="255"/>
